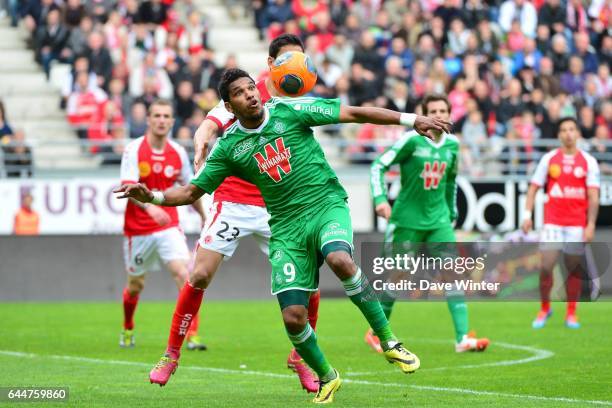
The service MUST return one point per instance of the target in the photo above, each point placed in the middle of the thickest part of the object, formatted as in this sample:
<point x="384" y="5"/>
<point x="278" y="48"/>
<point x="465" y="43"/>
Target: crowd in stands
<point x="15" y="153"/>
<point x="510" y="68"/>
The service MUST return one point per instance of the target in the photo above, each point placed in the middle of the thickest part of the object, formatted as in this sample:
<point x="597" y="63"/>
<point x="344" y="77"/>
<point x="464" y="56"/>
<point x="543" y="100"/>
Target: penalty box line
<point x="19" y="354"/>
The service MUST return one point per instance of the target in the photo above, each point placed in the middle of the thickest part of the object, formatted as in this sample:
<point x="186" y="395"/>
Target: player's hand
<point x="431" y="127"/>
<point x="158" y="214"/>
<point x="138" y="192"/>
<point x="589" y="233"/>
<point x="527" y="225"/>
<point x="200" y="155"/>
<point x="383" y="210"/>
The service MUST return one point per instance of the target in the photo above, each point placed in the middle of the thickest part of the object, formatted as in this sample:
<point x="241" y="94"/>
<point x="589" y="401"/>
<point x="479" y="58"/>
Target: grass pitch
<point x="76" y="345"/>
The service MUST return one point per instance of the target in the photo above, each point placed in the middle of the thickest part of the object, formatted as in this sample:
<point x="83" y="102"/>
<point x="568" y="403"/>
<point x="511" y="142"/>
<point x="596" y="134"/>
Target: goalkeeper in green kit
<point x="425" y="208"/>
<point x="273" y="146"/>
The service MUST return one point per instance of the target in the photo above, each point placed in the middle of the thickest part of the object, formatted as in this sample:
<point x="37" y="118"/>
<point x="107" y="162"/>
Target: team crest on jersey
<point x="278" y="254"/>
<point x="144" y="169"/>
<point x="276" y="159"/>
<point x="279" y="127"/>
<point x="554" y="171"/>
<point x="169" y="171"/>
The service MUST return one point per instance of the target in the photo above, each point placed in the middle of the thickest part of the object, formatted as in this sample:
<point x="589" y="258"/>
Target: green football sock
<point x="363" y="296"/>
<point x="387" y="301"/>
<point x="459" y="312"/>
<point x="306" y="345"/>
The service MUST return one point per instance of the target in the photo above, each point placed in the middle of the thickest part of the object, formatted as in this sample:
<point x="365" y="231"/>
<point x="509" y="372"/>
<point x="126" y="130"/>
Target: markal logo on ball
<point x="505" y="271"/>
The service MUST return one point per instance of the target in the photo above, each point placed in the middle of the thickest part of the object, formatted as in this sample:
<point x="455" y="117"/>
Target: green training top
<point x="428" y="170"/>
<point x="281" y="157"/>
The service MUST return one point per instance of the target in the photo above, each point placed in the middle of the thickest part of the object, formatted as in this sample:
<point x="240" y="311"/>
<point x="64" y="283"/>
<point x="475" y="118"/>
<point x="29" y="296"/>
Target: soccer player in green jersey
<point x="425" y="208"/>
<point x="273" y="146"/>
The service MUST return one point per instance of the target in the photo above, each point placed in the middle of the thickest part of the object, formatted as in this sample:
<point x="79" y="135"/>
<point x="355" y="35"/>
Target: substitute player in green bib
<point x="426" y="206"/>
<point x="273" y="146"/>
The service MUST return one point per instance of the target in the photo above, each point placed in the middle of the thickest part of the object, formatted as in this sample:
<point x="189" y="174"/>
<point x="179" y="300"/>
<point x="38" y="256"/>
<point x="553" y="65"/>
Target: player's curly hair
<point x="227" y="78"/>
<point x="282" y="41"/>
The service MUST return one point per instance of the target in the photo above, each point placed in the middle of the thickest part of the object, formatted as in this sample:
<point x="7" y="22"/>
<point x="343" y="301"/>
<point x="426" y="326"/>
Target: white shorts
<point x="557" y="237"/>
<point x="143" y="252"/>
<point x="227" y="223"/>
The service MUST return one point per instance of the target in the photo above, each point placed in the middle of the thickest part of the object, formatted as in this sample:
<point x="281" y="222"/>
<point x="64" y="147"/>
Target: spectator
<point x="278" y="11"/>
<point x="586" y="52"/>
<point x="577" y="19"/>
<point x="603" y="81"/>
<point x="366" y="54"/>
<point x="448" y="11"/>
<point x="112" y="151"/>
<point x="74" y="12"/>
<point x="27" y="220"/>
<point x="119" y="97"/>
<point x="516" y="38"/>
<point x="338" y="11"/>
<point x="586" y="119"/>
<point x="184" y="137"/>
<point x="521" y="10"/>
<point x="5" y="129"/>
<point x="591" y="96"/>
<point x="196" y="32"/>
<point x="84" y="104"/>
<point x="553" y="15"/>
<point x="474" y="11"/>
<point x="184" y="103"/>
<point x="559" y="54"/>
<point x="366" y="11"/>
<point x="549" y="123"/>
<point x="425" y="50"/>
<point x="529" y="56"/>
<point x="572" y="81"/>
<point x="487" y="40"/>
<point x="601" y="149"/>
<point x="363" y="85"/>
<point x="543" y="39"/>
<point x="549" y="82"/>
<point x="99" y="58"/>
<point x="76" y="44"/>
<point x="35" y="14"/>
<point x="18" y="156"/>
<point x="116" y="34"/>
<point x="152" y="12"/>
<point x="512" y="105"/>
<point x="50" y="40"/>
<point x="458" y="98"/>
<point x="99" y="9"/>
<point x="138" y="120"/>
<point x="341" y="52"/>
<point x="474" y="132"/>
<point x="352" y="29"/>
<point x="107" y="119"/>
<point x="409" y="30"/>
<point x="329" y="73"/>
<point x="457" y="37"/>
<point x="208" y="100"/>
<point x="147" y="71"/>
<point x="81" y="64"/>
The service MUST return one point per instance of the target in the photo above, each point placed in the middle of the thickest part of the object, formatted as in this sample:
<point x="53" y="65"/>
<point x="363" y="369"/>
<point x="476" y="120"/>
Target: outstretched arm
<point x="202" y="140"/>
<point x="181" y="195"/>
<point x="423" y="125"/>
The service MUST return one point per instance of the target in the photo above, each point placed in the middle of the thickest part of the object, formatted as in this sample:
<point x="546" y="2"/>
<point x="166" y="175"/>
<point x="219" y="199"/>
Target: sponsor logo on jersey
<point x="279" y="127"/>
<point x="422" y="151"/>
<point x="276" y="159"/>
<point x="555" y="191"/>
<point x="579" y="172"/>
<point x="169" y="171"/>
<point x="242" y="148"/>
<point x="327" y="111"/>
<point x="432" y="174"/>
<point x="157" y="167"/>
<point x="554" y="171"/>
<point x="144" y="169"/>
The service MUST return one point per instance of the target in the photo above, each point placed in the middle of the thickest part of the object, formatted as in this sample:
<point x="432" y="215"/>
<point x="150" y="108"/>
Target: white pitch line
<point x="285" y="376"/>
<point x="538" y="354"/>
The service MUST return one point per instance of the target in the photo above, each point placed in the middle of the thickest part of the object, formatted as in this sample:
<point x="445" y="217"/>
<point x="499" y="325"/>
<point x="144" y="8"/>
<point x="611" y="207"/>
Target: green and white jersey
<point x="428" y="170"/>
<point x="281" y="157"/>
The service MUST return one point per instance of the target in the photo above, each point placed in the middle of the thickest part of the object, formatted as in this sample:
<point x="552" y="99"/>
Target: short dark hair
<point x="566" y="119"/>
<point x="434" y="98"/>
<point x="227" y="78"/>
<point x="282" y="41"/>
<point x="160" y="102"/>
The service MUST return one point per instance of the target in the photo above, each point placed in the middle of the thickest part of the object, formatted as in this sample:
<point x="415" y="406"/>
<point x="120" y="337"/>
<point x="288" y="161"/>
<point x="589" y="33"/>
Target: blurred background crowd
<point x="510" y="68"/>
